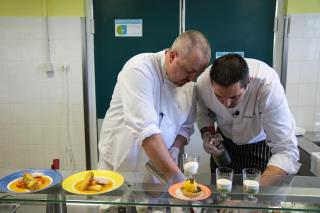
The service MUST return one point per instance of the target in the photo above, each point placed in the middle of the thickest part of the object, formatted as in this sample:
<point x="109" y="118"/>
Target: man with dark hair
<point x="245" y="100"/>
<point x="152" y="111"/>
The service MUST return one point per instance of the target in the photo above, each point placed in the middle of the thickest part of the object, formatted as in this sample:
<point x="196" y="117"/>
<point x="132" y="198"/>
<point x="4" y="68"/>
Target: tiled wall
<point x="303" y="73"/>
<point x="40" y="114"/>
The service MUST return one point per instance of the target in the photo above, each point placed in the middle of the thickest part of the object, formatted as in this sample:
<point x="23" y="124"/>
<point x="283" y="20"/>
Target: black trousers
<point x="254" y="155"/>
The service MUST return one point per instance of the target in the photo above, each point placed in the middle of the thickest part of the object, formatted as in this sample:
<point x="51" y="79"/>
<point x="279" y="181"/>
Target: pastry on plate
<point x="92" y="183"/>
<point x="190" y="188"/>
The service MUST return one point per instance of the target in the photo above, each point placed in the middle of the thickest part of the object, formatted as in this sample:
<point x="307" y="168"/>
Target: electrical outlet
<point x="48" y="68"/>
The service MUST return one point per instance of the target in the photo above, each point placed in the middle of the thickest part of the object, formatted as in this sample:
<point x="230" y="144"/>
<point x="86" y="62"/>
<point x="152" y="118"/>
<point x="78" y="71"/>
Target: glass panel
<point x="299" y="193"/>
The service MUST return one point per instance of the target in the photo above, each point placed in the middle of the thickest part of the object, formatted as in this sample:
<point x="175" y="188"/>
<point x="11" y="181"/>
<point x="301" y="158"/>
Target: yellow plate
<point x="69" y="184"/>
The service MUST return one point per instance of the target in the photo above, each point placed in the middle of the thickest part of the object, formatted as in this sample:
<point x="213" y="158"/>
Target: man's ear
<point x="172" y="55"/>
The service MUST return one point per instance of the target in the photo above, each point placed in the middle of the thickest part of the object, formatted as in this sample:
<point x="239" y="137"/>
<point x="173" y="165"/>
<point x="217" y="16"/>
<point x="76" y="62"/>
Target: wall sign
<point x="128" y="27"/>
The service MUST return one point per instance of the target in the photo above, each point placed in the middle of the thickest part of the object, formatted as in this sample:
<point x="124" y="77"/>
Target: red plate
<point x="175" y="191"/>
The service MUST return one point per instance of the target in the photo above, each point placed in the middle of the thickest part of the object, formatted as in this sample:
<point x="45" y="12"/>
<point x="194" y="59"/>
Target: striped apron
<point x="254" y="155"/>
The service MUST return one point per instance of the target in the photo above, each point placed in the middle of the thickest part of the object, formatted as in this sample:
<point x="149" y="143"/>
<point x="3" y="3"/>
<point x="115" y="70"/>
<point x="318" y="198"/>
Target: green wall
<point x="303" y="6"/>
<point x="37" y="8"/>
<point x="160" y="28"/>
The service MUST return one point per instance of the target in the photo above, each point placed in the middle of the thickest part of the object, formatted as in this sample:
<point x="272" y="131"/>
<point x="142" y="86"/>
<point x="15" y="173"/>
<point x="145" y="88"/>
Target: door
<point x="235" y="25"/>
<point x="160" y="26"/>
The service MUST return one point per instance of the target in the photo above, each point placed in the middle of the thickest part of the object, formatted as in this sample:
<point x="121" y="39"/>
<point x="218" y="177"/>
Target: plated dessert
<point x="190" y="188"/>
<point x="30" y="181"/>
<point x="90" y="183"/>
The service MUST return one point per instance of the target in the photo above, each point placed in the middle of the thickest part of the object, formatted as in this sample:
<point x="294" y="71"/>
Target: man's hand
<point x="209" y="144"/>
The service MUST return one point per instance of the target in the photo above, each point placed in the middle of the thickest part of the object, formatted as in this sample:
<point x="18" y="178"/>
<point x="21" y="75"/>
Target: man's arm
<point x="158" y="153"/>
<point x="274" y="170"/>
<point x="278" y="124"/>
<point x="271" y="176"/>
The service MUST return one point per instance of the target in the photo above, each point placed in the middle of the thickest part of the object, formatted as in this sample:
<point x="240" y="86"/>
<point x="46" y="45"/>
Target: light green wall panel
<point x="38" y="8"/>
<point x="303" y="6"/>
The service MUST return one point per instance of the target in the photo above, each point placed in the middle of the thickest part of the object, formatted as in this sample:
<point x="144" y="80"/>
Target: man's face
<point x="181" y="70"/>
<point x="229" y="96"/>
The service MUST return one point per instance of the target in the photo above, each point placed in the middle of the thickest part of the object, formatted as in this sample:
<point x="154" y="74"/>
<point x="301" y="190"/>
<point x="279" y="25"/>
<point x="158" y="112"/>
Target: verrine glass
<point x="251" y="182"/>
<point x="190" y="164"/>
<point x="224" y="177"/>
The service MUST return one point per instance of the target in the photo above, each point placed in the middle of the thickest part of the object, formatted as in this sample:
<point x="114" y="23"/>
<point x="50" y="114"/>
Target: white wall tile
<point x="66" y="50"/>
<point x="27" y="113"/>
<point x="296" y="49"/>
<point x="24" y="157"/>
<point x="317" y="119"/>
<point x="4" y="92"/>
<point x="307" y="94"/>
<point x="2" y="49"/>
<point x="305" y="117"/>
<point x="54" y="114"/>
<point x="35" y="28"/>
<point x="4" y="113"/>
<point x="75" y="93"/>
<point x="75" y="73"/>
<point x="292" y="94"/>
<point x="3" y="72"/>
<point x="7" y="159"/>
<point x="51" y="152"/>
<point x="17" y="93"/>
<point x="309" y="72"/>
<point x="13" y="50"/>
<point x="33" y="107"/>
<point x="4" y="132"/>
<point x="33" y="71"/>
<point x="76" y="114"/>
<point x="79" y="155"/>
<point x="77" y="135"/>
<point x="25" y="134"/>
<point x="293" y="71"/>
<point x="36" y="161"/>
<point x="34" y="50"/>
<point x="65" y="28"/>
<point x="13" y="28"/>
<point x="53" y="134"/>
<point x="311" y="49"/>
<point x="318" y="95"/>
<point x="312" y="25"/>
<point x="297" y="25"/>
<point x="15" y="71"/>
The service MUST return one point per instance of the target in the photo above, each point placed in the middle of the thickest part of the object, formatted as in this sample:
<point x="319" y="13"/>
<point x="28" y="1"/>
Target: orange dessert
<point x="190" y="188"/>
<point x="34" y="181"/>
<point x="91" y="184"/>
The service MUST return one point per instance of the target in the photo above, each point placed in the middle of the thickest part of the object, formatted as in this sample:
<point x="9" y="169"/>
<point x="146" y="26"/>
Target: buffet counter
<point x="292" y="193"/>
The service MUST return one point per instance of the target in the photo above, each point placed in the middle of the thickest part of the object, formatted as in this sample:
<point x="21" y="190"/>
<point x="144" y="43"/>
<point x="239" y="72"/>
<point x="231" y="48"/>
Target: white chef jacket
<point x="144" y="102"/>
<point x="262" y="114"/>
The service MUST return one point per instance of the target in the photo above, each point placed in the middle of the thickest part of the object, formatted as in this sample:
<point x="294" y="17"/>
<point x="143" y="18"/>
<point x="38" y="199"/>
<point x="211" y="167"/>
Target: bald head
<point x="189" y="41"/>
<point x="188" y="56"/>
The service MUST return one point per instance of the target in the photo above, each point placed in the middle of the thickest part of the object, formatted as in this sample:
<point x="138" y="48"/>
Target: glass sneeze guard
<point x="290" y="193"/>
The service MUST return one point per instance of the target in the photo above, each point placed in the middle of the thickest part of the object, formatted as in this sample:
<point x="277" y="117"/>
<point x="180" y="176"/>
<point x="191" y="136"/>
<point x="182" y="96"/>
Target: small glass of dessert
<point x="190" y="164"/>
<point x="251" y="179"/>
<point x="224" y="177"/>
